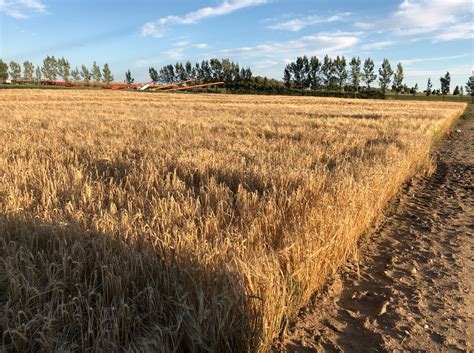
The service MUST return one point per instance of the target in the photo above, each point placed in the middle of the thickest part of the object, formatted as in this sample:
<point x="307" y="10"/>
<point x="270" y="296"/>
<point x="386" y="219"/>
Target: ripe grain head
<point x="156" y="222"/>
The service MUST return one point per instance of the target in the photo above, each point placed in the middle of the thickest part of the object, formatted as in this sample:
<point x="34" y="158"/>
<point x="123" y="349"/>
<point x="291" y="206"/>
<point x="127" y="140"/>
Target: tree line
<point x="207" y="71"/>
<point x="307" y="75"/>
<point x="339" y="74"/>
<point x="333" y="74"/>
<point x="445" y="87"/>
<point x="53" y="68"/>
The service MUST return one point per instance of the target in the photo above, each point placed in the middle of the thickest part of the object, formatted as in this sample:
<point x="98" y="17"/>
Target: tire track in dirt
<point x="413" y="286"/>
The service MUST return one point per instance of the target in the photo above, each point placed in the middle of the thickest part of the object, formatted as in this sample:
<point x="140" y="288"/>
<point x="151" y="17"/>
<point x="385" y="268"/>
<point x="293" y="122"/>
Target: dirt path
<point x="414" y="288"/>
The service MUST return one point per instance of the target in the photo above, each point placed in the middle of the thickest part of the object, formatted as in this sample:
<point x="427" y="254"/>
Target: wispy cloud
<point x="190" y="45"/>
<point x="156" y="28"/>
<point x="318" y="44"/>
<point x="409" y="62"/>
<point x="181" y="43"/>
<point x="265" y="64"/>
<point x="457" y="31"/>
<point x="463" y="71"/>
<point x="174" y="53"/>
<point x="297" y="24"/>
<point x="422" y="16"/>
<point x="21" y="8"/>
<point x="177" y="53"/>
<point x="377" y="45"/>
<point x="431" y="19"/>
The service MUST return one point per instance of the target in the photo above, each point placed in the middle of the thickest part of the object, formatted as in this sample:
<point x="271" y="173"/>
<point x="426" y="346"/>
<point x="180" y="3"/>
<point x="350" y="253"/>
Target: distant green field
<point x="26" y="86"/>
<point x="469" y="113"/>
<point x="389" y="95"/>
<point x="434" y="98"/>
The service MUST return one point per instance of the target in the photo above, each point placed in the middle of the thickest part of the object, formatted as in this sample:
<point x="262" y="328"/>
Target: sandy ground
<point x="413" y="287"/>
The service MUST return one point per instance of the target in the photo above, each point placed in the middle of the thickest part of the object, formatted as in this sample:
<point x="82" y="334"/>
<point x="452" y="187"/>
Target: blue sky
<point x="429" y="37"/>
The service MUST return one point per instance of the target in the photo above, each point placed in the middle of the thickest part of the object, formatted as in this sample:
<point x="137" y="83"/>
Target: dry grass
<point x="160" y="223"/>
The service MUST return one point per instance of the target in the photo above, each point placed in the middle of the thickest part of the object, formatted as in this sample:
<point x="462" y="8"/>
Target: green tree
<point x="206" y="71"/>
<point x="231" y="72"/>
<point x="180" y="72"/>
<point x="153" y="74"/>
<point x="3" y="70"/>
<point x="28" y="70"/>
<point x="429" y="87"/>
<point x="398" y="78"/>
<point x="86" y="74"/>
<point x="355" y="73"/>
<point x="15" y="70"/>
<point x="341" y="71"/>
<point x="189" y="70"/>
<point x="198" y="72"/>
<point x="327" y="72"/>
<point x="64" y="69"/>
<point x="445" y="83"/>
<point x="246" y="74"/>
<point x="216" y="68"/>
<point x="96" y="73"/>
<point x="236" y="72"/>
<point x="298" y="70"/>
<point x="107" y="74"/>
<point x="38" y="74"/>
<point x="470" y="86"/>
<point x="169" y="74"/>
<point x="385" y="75"/>
<point x="128" y="77"/>
<point x="313" y="72"/>
<point x="227" y="71"/>
<point x="287" y="76"/>
<point x="368" y="75"/>
<point x="76" y="74"/>
<point x="306" y="73"/>
<point x="50" y="68"/>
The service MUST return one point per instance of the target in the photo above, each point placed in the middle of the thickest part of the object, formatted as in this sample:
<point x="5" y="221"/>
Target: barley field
<point x="188" y="223"/>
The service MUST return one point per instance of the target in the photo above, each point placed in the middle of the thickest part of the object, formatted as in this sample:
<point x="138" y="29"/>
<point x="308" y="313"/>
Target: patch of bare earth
<point x="413" y="287"/>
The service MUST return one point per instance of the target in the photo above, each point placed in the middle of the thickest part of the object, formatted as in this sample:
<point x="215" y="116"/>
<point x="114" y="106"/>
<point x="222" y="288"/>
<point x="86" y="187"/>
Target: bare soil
<point x="412" y="286"/>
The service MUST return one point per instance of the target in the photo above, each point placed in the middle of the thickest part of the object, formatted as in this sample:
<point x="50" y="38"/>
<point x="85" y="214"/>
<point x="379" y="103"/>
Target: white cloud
<point x="436" y="19"/>
<point x="265" y="64"/>
<point x="180" y="47"/>
<point x="377" y="45"/>
<point x="181" y="44"/>
<point x="462" y="71"/>
<point x="457" y="31"/>
<point x="141" y="63"/>
<point x="319" y="44"/>
<point x="155" y="28"/>
<point x="174" y="53"/>
<point x="422" y="16"/>
<point x="298" y="24"/>
<point x="21" y="8"/>
<point x="409" y="62"/>
<point x="200" y="45"/>
<point x="186" y="44"/>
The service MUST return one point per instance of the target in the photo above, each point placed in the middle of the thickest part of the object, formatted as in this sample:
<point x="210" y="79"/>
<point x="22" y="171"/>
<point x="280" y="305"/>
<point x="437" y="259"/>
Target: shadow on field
<point x="64" y="287"/>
